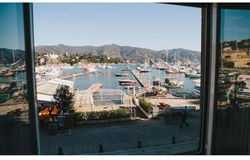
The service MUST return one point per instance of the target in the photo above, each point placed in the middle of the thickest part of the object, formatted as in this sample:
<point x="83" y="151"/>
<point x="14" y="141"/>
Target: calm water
<point x="109" y="81"/>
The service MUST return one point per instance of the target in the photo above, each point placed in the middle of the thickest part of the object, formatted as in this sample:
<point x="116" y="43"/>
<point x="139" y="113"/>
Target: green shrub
<point x="100" y="115"/>
<point x="147" y="106"/>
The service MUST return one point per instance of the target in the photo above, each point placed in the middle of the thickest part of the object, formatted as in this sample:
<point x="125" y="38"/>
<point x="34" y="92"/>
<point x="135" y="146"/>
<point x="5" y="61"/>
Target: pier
<point x="142" y="82"/>
<point x="75" y="75"/>
<point x="93" y="88"/>
<point x="84" y="98"/>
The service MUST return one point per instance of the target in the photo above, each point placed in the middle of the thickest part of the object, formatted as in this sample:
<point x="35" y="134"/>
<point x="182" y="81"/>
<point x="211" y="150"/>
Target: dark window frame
<point x="235" y="6"/>
<point x="31" y="80"/>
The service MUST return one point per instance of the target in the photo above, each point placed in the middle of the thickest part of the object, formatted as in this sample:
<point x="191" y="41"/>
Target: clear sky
<point x="147" y="25"/>
<point x="11" y="26"/>
<point x="235" y="24"/>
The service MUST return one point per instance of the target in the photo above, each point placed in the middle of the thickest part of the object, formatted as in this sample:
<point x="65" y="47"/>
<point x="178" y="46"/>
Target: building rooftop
<point x="46" y="89"/>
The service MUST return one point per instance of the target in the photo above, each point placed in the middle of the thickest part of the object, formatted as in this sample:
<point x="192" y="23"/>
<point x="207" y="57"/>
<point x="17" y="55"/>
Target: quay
<point x="142" y="82"/>
<point x="75" y="75"/>
<point x="84" y="100"/>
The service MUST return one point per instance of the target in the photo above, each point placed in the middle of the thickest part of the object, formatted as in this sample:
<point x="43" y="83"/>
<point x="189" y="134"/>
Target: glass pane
<point x="233" y="93"/>
<point x="14" y="112"/>
<point x="130" y="88"/>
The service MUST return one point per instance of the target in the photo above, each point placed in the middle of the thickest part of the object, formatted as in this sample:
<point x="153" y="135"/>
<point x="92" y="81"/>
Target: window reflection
<point x="14" y="113"/>
<point x="233" y="90"/>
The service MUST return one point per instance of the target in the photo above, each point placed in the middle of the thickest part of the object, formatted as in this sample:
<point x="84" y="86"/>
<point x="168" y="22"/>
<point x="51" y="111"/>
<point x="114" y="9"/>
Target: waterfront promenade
<point x="122" y="138"/>
<point x="174" y="101"/>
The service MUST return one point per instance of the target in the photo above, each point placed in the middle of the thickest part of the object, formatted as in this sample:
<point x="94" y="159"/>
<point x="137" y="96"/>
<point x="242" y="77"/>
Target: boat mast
<point x="13" y="55"/>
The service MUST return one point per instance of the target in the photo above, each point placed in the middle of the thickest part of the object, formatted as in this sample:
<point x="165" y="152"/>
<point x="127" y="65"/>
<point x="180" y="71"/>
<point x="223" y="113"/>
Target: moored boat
<point x="171" y="83"/>
<point x="131" y="87"/>
<point x="194" y="75"/>
<point x="122" y="74"/>
<point x="143" y="69"/>
<point x="127" y="82"/>
<point x="170" y="71"/>
<point x="8" y="74"/>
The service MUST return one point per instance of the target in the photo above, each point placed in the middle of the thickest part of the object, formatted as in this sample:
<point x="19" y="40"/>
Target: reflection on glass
<point x="14" y="119"/>
<point x="233" y="94"/>
<point x="126" y="99"/>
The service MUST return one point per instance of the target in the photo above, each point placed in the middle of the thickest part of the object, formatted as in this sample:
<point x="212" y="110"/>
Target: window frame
<point x="220" y="6"/>
<point x="30" y="74"/>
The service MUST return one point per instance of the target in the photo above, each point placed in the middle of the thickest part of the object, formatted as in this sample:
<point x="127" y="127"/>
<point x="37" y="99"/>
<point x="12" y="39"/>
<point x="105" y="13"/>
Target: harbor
<point x="110" y="87"/>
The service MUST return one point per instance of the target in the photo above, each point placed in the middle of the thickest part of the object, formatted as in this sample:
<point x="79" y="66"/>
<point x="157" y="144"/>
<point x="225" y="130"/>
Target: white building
<point x="46" y="90"/>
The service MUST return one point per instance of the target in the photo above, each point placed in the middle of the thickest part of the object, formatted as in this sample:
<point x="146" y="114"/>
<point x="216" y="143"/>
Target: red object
<point x="45" y="113"/>
<point x="127" y="82"/>
<point x="85" y="69"/>
<point x="164" y="104"/>
<point x="9" y="74"/>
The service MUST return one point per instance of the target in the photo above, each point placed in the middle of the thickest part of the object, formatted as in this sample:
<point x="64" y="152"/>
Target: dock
<point x="93" y="88"/>
<point x="142" y="82"/>
<point x="75" y="75"/>
<point x="84" y="100"/>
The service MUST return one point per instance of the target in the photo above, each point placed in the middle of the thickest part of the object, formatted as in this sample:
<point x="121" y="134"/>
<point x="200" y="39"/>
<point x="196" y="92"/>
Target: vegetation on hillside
<point x="43" y="59"/>
<point x="126" y="53"/>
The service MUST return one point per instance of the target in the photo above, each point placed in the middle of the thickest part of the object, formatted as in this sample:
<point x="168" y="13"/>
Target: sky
<point x="235" y="24"/>
<point x="147" y="25"/>
<point x="11" y="26"/>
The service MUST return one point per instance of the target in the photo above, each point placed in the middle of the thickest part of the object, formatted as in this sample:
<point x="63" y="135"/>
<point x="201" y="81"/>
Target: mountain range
<point x="133" y="54"/>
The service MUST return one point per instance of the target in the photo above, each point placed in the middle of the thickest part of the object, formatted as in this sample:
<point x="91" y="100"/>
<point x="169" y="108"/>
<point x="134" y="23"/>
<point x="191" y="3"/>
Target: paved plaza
<point x="123" y="137"/>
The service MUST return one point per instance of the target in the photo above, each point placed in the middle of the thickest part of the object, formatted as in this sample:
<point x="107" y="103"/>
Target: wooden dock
<point x="142" y="82"/>
<point x="75" y="75"/>
<point x="94" y="87"/>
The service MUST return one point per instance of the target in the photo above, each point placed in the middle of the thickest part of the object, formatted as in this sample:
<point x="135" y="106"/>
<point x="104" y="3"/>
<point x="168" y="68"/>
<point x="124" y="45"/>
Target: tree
<point x="64" y="99"/>
<point x="147" y="106"/>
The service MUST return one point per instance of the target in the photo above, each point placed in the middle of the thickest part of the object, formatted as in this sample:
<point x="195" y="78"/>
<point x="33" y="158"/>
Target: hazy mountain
<point x="133" y="54"/>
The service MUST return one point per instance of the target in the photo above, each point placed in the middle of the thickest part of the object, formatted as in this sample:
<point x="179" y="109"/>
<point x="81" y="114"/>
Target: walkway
<point x="75" y="75"/>
<point x="123" y="138"/>
<point x="143" y="82"/>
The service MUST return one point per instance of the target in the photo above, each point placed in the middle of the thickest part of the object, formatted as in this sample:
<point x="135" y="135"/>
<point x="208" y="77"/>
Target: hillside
<point x="133" y="54"/>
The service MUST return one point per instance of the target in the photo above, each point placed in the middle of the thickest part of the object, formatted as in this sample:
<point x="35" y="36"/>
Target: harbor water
<point x="109" y="81"/>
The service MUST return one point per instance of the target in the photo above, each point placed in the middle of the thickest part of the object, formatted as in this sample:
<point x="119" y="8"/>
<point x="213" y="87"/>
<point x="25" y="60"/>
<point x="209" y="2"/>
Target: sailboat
<point x="143" y="68"/>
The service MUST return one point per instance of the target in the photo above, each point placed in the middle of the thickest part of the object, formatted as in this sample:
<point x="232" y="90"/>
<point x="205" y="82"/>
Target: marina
<point x="113" y="84"/>
<point x="108" y="87"/>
